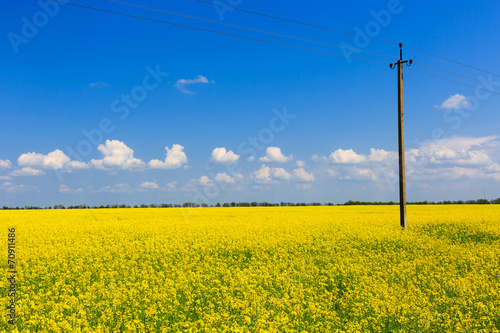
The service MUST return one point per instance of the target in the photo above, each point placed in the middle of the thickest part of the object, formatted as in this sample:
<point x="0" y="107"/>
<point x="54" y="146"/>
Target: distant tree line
<point x="262" y="204"/>
<point x="446" y="202"/>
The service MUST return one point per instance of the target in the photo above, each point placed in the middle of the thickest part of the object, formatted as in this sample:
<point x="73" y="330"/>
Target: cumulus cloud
<point x="356" y="173"/>
<point x="65" y="189"/>
<point x="224" y="178"/>
<point x="117" y="156"/>
<point x="456" y="101"/>
<point x="332" y="172"/>
<point x="346" y="157"/>
<point x="12" y="188"/>
<point x="99" y="84"/>
<point x="263" y="175"/>
<point x="261" y="187"/>
<point x="5" y="164"/>
<point x="454" y="159"/>
<point x="205" y="181"/>
<point x="274" y="154"/>
<point x="302" y="175"/>
<point x="303" y="187"/>
<point x="349" y="156"/>
<point x="118" y="188"/>
<point x="55" y="160"/>
<point x="446" y="159"/>
<point x="457" y="151"/>
<point x="380" y="155"/>
<point x="150" y="185"/>
<point x="175" y="158"/>
<point x="280" y="173"/>
<point x="172" y="186"/>
<point x="221" y="156"/>
<point x="182" y="83"/>
<point x="267" y="175"/>
<point x="26" y="171"/>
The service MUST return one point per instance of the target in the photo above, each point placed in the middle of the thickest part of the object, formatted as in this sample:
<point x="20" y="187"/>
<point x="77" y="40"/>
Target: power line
<point x="456" y="62"/>
<point x="250" y="29"/>
<point x="442" y="78"/>
<point x="342" y="32"/>
<point x="447" y="71"/>
<point x="296" y="22"/>
<point x="271" y="42"/>
<point x="217" y="32"/>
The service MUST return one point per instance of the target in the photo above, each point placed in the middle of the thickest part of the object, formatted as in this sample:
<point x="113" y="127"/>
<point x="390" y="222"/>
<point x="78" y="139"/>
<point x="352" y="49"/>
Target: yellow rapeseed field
<point x="266" y="269"/>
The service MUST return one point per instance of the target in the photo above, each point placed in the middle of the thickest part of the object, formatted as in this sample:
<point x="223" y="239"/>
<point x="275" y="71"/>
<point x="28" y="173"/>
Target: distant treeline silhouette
<point x="262" y="204"/>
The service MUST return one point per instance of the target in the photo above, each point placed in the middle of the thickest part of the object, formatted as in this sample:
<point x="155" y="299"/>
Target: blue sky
<point x="100" y="109"/>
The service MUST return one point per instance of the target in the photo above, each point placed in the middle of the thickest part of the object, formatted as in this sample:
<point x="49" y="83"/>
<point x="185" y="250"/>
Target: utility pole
<point x="401" y="138"/>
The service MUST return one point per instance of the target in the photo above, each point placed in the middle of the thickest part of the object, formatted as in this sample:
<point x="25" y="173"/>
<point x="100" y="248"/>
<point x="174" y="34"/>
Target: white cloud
<point x="263" y="175"/>
<point x="302" y="175"/>
<point x="303" y="187"/>
<point x="380" y="155"/>
<point x="300" y="163"/>
<point x="280" y="173"/>
<point x="65" y="189"/>
<point x="221" y="156"/>
<point x="172" y="186"/>
<point x="267" y="175"/>
<point x="182" y="83"/>
<point x="117" y="156"/>
<point x="341" y="156"/>
<point x="174" y="159"/>
<point x="5" y="164"/>
<point x="55" y="160"/>
<point x="12" y="188"/>
<point x="274" y="154"/>
<point x="456" y="158"/>
<point x="262" y="187"/>
<point x="118" y="188"/>
<point x="27" y="171"/>
<point x="77" y="165"/>
<point x="251" y="158"/>
<point x="346" y="157"/>
<point x="454" y="151"/>
<point x="205" y="181"/>
<point x="317" y="158"/>
<point x="99" y="84"/>
<point x="5" y="178"/>
<point x="224" y="178"/>
<point x="150" y="185"/>
<point x="456" y="101"/>
<point x="356" y="173"/>
<point x="332" y="172"/>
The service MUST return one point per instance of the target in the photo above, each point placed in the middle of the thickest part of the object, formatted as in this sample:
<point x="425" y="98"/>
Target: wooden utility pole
<point x="401" y="138"/>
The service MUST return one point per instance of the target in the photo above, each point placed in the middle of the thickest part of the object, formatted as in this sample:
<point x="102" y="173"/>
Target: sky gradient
<point x="99" y="108"/>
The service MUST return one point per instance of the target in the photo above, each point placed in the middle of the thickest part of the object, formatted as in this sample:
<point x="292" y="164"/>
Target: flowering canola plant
<point x="259" y="269"/>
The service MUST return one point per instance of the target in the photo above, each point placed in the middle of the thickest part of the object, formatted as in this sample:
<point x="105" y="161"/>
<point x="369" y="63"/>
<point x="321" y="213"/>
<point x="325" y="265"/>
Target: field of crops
<point x="269" y="269"/>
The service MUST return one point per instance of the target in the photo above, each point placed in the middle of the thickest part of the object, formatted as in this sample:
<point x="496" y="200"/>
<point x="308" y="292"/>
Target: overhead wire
<point x="217" y="32"/>
<point x="442" y="78"/>
<point x="250" y="29"/>
<point x="450" y="72"/>
<point x="272" y="42"/>
<point x="296" y="22"/>
<point x="342" y="32"/>
<point x="453" y="61"/>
